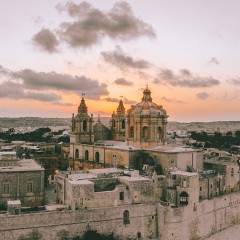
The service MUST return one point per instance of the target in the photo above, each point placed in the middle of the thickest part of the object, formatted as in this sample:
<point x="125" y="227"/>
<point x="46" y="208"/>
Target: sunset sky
<point x="188" y="52"/>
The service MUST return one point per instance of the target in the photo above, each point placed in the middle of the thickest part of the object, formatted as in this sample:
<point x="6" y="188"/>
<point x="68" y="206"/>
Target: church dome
<point x="146" y="106"/>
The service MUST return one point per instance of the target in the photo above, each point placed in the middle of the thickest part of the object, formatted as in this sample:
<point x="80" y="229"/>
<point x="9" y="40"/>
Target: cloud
<point x="184" y="79"/>
<point x="64" y="82"/>
<point x="63" y="104"/>
<point x="234" y="81"/>
<point x="109" y="99"/>
<point x="203" y="95"/>
<point x="172" y="100"/>
<point x="125" y="100"/>
<point x="214" y="61"/>
<point x="229" y="96"/>
<point x="123" y="82"/>
<point x="16" y="91"/>
<point x="121" y="60"/>
<point x="46" y="40"/>
<point x="32" y="84"/>
<point x="143" y="75"/>
<point x="91" y="25"/>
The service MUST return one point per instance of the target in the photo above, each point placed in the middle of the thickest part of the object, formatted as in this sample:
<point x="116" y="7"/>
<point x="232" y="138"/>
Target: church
<point x="135" y="139"/>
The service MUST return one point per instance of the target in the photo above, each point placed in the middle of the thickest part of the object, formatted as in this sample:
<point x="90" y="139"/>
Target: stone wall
<point x="210" y="216"/>
<point x="105" y="220"/>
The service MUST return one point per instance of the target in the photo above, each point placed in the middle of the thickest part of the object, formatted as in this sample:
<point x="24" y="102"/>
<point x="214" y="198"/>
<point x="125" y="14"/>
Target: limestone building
<point x="21" y="180"/>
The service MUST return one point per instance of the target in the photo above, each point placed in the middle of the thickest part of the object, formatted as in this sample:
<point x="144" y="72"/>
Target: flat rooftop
<point x="166" y="148"/>
<point x="80" y="176"/>
<point x="105" y="170"/>
<point x="134" y="179"/>
<point x="188" y="174"/>
<point x="23" y="166"/>
<point x="219" y="162"/>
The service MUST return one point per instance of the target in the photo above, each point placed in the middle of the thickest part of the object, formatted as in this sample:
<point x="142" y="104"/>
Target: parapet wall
<point x="105" y="220"/>
<point x="153" y="221"/>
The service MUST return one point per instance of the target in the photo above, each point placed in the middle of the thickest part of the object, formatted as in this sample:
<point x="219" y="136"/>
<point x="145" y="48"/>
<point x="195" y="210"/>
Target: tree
<point x="63" y="235"/>
<point x="34" y="235"/>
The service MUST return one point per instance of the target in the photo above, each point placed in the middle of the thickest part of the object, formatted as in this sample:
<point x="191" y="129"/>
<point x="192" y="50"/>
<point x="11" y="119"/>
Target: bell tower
<point x="117" y="123"/>
<point x="82" y="125"/>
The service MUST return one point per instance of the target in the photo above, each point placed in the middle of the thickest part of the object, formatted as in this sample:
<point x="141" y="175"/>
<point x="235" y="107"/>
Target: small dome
<point x="99" y="127"/>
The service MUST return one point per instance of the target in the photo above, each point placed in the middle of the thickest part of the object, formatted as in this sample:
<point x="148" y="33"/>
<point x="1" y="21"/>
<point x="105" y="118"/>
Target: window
<point x="132" y="132"/>
<point x="84" y="125"/>
<point x="77" y="153"/>
<point x="200" y="188"/>
<point x="114" y="160"/>
<point x="232" y="172"/>
<point x="138" y="235"/>
<point x="184" y="198"/>
<point x="29" y="187"/>
<point x="145" y="132"/>
<point x="126" y="219"/>
<point x="97" y="156"/>
<point x="113" y="123"/>
<point x="159" y="132"/>
<point x="123" y="124"/>
<point x="86" y="155"/>
<point x="121" y="196"/>
<point x="6" y="188"/>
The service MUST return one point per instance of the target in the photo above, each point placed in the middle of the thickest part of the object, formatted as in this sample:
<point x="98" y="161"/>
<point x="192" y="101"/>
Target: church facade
<point x="131" y="136"/>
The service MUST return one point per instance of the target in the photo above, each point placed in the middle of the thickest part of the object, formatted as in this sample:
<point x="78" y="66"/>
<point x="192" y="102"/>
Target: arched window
<point x="86" y="155"/>
<point x="232" y="172"/>
<point x="183" y="198"/>
<point x="76" y="153"/>
<point x="145" y="132"/>
<point x="131" y="132"/>
<point x="159" y="132"/>
<point x="126" y="219"/>
<point x="113" y="123"/>
<point x="84" y="125"/>
<point x="114" y="160"/>
<point x="123" y="124"/>
<point x="97" y="156"/>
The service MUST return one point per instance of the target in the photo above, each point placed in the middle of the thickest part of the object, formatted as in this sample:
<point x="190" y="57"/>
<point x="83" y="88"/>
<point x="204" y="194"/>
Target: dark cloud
<point x="184" y="79"/>
<point x="109" y="99"/>
<point x="234" y="81"/>
<point x="203" y="95"/>
<point x="16" y="91"/>
<point x="143" y="75"/>
<point x="27" y="79"/>
<point x="172" y="100"/>
<point x="123" y="82"/>
<point x="64" y="82"/>
<point x="119" y="59"/>
<point x="63" y="104"/>
<point x="214" y="61"/>
<point x="45" y="40"/>
<point x="91" y="25"/>
<point x="125" y="100"/>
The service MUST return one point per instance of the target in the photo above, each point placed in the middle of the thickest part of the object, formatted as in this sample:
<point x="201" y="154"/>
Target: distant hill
<point x="223" y="126"/>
